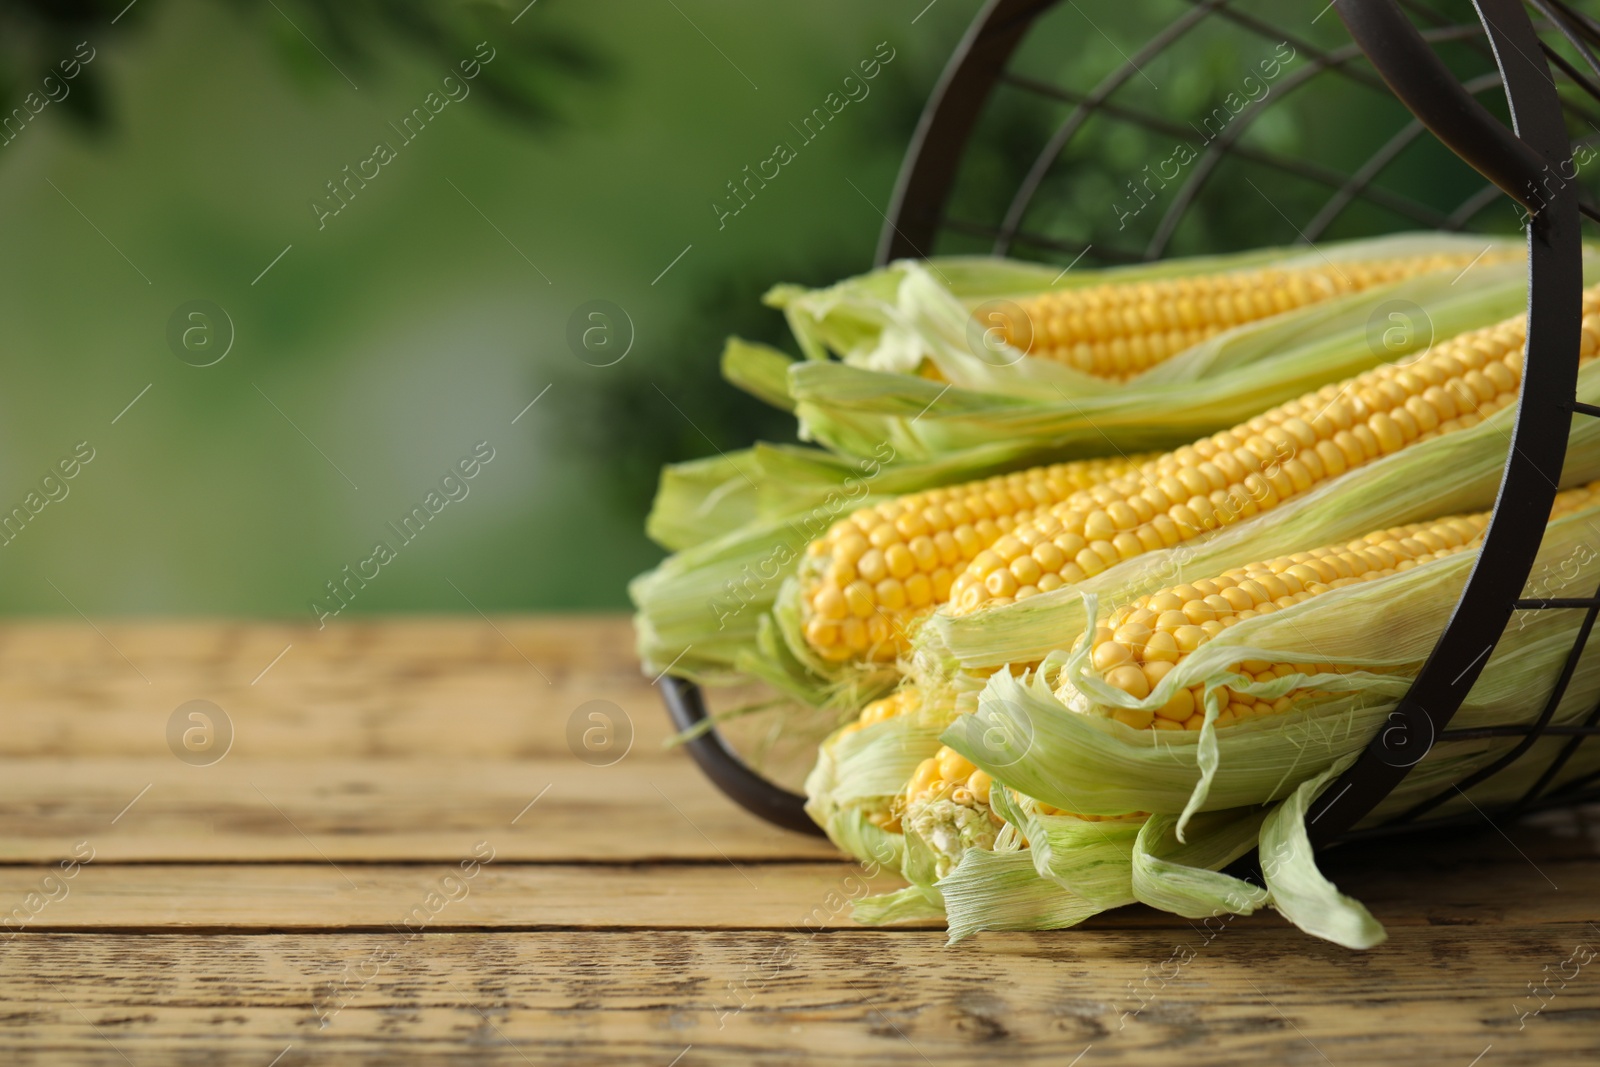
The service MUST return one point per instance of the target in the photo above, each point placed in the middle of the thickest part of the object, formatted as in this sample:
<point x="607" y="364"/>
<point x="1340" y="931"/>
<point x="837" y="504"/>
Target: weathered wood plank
<point x="463" y="892"/>
<point x="651" y="805"/>
<point x="1465" y="880"/>
<point x="648" y="806"/>
<point x="374" y="690"/>
<point x="1255" y="995"/>
<point x="430" y="688"/>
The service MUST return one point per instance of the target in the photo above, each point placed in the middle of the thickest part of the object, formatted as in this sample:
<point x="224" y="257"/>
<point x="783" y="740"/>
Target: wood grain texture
<point x="257" y="908"/>
<point x="434" y="687"/>
<point x="499" y="689"/>
<point x="428" y="896"/>
<point x="651" y="805"/>
<point x="1469" y="880"/>
<point x="1258" y="994"/>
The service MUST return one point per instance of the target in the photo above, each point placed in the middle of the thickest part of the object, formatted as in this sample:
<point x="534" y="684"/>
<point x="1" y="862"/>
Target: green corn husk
<point x="703" y="499"/>
<point x="761" y="371"/>
<point x="1216" y="793"/>
<point x="1073" y="868"/>
<point x="904" y="314"/>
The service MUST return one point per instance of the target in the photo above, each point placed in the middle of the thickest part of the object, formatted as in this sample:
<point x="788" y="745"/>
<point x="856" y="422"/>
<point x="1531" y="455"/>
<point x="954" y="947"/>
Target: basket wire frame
<point x="1394" y="41"/>
<point x="920" y="208"/>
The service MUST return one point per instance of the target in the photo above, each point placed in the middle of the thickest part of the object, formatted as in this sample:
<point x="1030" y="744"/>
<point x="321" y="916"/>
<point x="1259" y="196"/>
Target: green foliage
<point x="539" y="62"/>
<point x="318" y="40"/>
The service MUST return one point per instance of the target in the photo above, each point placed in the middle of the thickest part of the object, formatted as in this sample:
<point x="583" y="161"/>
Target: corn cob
<point x="883" y="565"/>
<point x="1241" y="472"/>
<point x="949" y="804"/>
<point x="1016" y="542"/>
<point x="901" y="702"/>
<point x="1118" y="330"/>
<point x="1138" y="644"/>
<point x="946" y="775"/>
<point x="949" y="774"/>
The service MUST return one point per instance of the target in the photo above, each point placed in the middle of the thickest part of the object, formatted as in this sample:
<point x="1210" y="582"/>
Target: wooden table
<point x="401" y="860"/>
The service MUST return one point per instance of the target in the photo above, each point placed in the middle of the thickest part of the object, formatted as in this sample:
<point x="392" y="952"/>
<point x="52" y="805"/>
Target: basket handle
<point x="687" y="707"/>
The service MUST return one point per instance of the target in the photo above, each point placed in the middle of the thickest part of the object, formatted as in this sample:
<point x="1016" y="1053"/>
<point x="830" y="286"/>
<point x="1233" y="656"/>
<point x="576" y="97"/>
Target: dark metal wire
<point x="1227" y="144"/>
<point x="1074" y="122"/>
<point x="1578" y="20"/>
<point x="1589" y="729"/>
<point x="687" y="708"/>
<point x="1584" y="786"/>
<point x="1490" y="194"/>
<point x="1289" y="165"/>
<point x="1515" y="163"/>
<point x="1368" y="172"/>
<point x="1568" y="30"/>
<point x="1315" y="172"/>
<point x="1097" y="101"/>
<point x="1482" y="49"/>
<point x="1530" y="733"/>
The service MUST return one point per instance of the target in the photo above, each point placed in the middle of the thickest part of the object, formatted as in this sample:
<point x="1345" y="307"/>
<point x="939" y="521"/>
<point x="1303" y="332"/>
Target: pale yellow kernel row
<point x="990" y="543"/>
<point x="1136" y="646"/>
<point x="902" y="701"/>
<point x="1120" y="329"/>
<point x="882" y="566"/>
<point x="1238" y="473"/>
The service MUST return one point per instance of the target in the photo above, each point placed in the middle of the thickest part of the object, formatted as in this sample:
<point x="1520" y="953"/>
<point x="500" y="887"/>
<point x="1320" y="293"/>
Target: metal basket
<point x="1395" y="48"/>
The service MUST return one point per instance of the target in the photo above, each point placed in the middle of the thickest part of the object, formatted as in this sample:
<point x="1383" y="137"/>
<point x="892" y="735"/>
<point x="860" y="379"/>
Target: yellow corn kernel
<point x="901" y="702"/>
<point x="1233" y="474"/>
<point x="896" y="561"/>
<point x="1118" y="329"/>
<point x="1377" y="555"/>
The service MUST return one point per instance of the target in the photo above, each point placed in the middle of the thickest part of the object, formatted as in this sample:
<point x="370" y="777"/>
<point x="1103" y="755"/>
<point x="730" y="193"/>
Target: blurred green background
<point x="373" y="353"/>
<point x="411" y="326"/>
